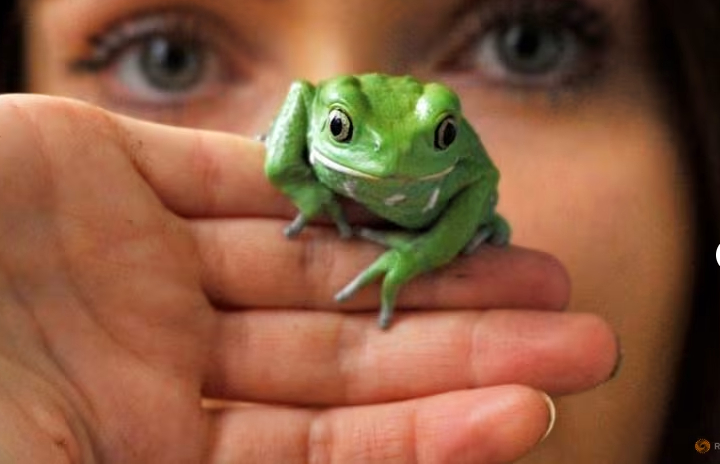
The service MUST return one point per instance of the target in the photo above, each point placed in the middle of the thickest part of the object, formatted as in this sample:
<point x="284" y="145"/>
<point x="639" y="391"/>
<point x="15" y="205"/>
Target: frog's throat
<point x="317" y="157"/>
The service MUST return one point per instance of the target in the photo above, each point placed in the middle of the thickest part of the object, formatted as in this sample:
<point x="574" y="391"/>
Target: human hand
<point x="143" y="267"/>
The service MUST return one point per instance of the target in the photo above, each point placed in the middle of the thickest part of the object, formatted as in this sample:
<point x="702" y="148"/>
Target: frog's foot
<point x="480" y="237"/>
<point x="497" y="233"/>
<point x="388" y="239"/>
<point x="398" y="267"/>
<point x="296" y="226"/>
<point x="501" y="231"/>
<point x="301" y="220"/>
<point x="312" y="202"/>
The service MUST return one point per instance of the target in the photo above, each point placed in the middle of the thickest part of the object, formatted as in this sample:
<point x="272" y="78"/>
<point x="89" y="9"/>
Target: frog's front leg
<point x="313" y="199"/>
<point x="287" y="166"/>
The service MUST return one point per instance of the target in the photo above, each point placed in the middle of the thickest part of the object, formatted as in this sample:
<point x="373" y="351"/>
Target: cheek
<point x="606" y="195"/>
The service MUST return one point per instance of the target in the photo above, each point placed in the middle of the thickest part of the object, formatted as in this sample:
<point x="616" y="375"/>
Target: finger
<point x="308" y="271"/>
<point x="194" y="172"/>
<point x="302" y="357"/>
<point x="204" y="173"/>
<point x="492" y="425"/>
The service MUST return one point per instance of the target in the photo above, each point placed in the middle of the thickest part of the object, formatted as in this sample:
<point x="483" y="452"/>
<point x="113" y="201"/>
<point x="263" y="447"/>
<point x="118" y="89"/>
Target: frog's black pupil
<point x="529" y="47"/>
<point x="340" y="126"/>
<point x="449" y="134"/>
<point x="445" y="133"/>
<point x="172" y="65"/>
<point x="336" y="126"/>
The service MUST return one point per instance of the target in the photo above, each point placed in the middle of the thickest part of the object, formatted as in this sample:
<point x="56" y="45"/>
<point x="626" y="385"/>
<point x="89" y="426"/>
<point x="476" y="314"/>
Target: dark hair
<point x="11" y="47"/>
<point x="685" y="36"/>
<point x="684" y="41"/>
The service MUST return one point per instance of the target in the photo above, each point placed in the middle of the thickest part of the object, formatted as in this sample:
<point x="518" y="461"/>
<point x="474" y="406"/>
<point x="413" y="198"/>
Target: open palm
<point x="143" y="268"/>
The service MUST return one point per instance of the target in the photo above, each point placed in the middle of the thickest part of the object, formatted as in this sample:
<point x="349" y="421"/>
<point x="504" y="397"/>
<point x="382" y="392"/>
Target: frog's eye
<point x="340" y="125"/>
<point x="445" y="133"/>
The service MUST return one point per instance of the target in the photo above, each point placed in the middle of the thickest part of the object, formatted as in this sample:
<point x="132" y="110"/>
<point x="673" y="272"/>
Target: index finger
<point x="193" y="172"/>
<point x="201" y="173"/>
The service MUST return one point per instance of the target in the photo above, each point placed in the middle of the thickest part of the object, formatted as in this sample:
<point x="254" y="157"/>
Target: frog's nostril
<point x="377" y="145"/>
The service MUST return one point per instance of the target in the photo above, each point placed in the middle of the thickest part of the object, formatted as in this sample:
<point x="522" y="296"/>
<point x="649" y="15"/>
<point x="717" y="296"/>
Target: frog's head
<point x="382" y="127"/>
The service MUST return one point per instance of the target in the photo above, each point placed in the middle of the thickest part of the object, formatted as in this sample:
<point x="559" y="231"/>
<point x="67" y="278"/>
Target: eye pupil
<point x="445" y="133"/>
<point x="336" y="126"/>
<point x="526" y="43"/>
<point x="449" y="135"/>
<point x="172" y="65"/>
<point x="340" y="125"/>
<point x="530" y="48"/>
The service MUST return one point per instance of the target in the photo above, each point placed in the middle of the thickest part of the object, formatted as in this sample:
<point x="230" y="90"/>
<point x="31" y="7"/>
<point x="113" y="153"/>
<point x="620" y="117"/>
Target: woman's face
<point x="561" y="92"/>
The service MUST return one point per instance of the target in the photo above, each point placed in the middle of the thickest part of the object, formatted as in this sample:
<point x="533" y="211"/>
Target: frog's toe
<point x="351" y="289"/>
<point x="335" y="211"/>
<point x="499" y="240"/>
<point x="388" y="239"/>
<point x="387" y="306"/>
<point x="397" y="276"/>
<point x="480" y="237"/>
<point x="374" y="236"/>
<point x="385" y="317"/>
<point x="496" y="233"/>
<point x="347" y="292"/>
<point x="344" y="230"/>
<point x="374" y="271"/>
<point x="365" y="277"/>
<point x="501" y="232"/>
<point x="296" y="226"/>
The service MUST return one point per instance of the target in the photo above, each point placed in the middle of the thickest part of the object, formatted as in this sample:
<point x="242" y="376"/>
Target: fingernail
<point x="618" y="360"/>
<point x="552" y="414"/>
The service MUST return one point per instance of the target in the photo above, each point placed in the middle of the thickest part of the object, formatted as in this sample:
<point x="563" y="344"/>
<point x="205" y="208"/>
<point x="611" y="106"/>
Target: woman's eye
<point x="526" y="54"/>
<point x="532" y="46"/>
<point x="165" y="65"/>
<point x="164" y="70"/>
<point x="158" y="61"/>
<point x="528" y="49"/>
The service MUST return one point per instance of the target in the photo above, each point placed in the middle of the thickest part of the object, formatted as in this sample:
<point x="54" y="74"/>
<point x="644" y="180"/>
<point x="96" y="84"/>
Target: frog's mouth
<point x="317" y="157"/>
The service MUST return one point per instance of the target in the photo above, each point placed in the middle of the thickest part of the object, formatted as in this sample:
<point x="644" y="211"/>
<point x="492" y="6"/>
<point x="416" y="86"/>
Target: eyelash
<point x="572" y="19"/>
<point x="120" y="44"/>
<point x="473" y="50"/>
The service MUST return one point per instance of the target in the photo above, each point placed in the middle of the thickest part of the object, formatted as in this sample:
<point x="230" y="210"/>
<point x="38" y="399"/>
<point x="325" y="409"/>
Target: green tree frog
<point x="401" y="148"/>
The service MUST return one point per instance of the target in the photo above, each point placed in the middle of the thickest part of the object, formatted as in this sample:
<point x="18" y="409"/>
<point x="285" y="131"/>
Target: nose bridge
<point x="336" y="40"/>
<point x="322" y="61"/>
